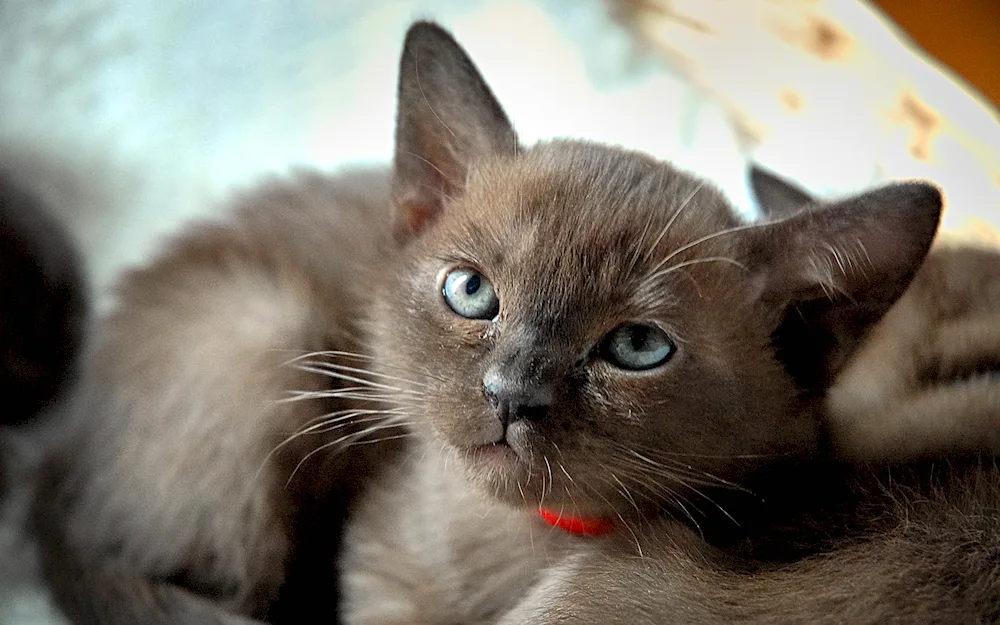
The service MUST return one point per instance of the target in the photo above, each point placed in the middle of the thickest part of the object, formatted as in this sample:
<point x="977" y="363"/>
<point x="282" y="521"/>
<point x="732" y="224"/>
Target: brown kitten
<point x="585" y="332"/>
<point x="174" y="499"/>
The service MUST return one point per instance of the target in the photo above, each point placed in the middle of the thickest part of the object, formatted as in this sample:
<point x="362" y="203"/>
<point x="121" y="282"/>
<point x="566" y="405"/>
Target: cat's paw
<point x="927" y="378"/>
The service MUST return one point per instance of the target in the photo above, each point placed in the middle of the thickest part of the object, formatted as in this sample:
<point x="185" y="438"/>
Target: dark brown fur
<point x="930" y="557"/>
<point x="43" y="304"/>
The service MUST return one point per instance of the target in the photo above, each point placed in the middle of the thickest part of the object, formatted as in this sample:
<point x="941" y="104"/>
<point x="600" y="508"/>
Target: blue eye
<point x="636" y="346"/>
<point x="470" y="294"/>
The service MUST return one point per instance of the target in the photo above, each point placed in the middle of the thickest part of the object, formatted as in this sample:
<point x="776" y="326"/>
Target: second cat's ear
<point x="835" y="269"/>
<point x="447" y="120"/>
<point x="777" y="197"/>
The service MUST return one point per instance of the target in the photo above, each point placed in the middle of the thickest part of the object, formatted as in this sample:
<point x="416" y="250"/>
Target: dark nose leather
<point x="515" y="400"/>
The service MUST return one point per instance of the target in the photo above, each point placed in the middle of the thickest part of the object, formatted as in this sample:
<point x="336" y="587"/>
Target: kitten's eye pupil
<point x="636" y="347"/>
<point x="470" y="294"/>
<point x="638" y="337"/>
<point x="472" y="285"/>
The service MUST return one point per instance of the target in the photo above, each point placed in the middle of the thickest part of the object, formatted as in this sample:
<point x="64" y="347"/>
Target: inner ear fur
<point x="830" y="272"/>
<point x="447" y="120"/>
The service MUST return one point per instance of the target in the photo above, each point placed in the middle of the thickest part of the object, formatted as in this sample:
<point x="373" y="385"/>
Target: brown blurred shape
<point x="963" y="34"/>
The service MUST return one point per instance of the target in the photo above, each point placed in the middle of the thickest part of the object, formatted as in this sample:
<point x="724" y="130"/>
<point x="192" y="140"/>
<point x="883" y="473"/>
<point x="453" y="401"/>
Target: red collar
<point x="584" y="526"/>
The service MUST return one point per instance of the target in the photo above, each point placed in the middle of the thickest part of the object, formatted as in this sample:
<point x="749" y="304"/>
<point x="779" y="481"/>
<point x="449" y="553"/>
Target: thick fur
<point x="930" y="556"/>
<point x="172" y="501"/>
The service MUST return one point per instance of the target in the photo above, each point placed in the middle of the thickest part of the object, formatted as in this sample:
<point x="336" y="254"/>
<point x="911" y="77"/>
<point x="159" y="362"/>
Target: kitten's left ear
<point x="776" y="196"/>
<point x="447" y="120"/>
<point x="835" y="269"/>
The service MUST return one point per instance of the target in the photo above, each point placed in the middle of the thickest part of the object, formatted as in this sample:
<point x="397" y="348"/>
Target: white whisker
<point x="350" y="378"/>
<point x="354" y="438"/>
<point x="673" y="217"/>
<point x="360" y="371"/>
<point x="704" y="239"/>
<point x="695" y="261"/>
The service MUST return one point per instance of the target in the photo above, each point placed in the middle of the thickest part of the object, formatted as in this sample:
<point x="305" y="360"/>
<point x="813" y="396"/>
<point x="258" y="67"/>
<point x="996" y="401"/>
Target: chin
<point x="522" y="481"/>
<point x="502" y="474"/>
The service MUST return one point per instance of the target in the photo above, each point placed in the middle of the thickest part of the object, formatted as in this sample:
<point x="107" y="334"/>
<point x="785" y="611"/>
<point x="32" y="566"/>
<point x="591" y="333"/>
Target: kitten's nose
<point x="514" y="401"/>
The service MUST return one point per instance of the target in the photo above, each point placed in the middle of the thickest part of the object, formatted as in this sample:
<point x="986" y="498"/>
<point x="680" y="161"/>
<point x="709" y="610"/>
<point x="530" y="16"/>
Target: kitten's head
<point x="586" y="327"/>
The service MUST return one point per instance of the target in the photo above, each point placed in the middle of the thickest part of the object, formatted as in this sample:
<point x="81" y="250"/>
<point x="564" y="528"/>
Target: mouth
<point x="503" y="469"/>
<point x="501" y="472"/>
<point x="496" y="453"/>
<point x="513" y="445"/>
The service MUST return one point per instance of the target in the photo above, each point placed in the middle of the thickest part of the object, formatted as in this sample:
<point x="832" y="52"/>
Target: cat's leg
<point x="172" y="501"/>
<point x="601" y="586"/>
<point x="957" y="415"/>
<point x="396" y="562"/>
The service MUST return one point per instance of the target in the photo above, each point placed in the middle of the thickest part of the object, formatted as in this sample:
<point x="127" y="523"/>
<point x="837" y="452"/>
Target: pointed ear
<point x="777" y="197"/>
<point x="831" y="272"/>
<point x="447" y="120"/>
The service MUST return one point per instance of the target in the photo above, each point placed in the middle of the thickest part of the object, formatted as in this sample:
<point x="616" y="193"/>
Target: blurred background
<point x="963" y="34"/>
<point x="128" y="117"/>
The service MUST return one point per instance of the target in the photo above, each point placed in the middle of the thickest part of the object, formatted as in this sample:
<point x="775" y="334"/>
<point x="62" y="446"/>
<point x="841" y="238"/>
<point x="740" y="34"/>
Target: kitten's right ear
<point x="447" y="120"/>
<point x="776" y="197"/>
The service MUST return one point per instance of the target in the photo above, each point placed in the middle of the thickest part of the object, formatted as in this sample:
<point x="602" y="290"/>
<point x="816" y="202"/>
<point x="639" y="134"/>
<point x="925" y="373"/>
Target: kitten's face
<point x="650" y="363"/>
<point x="584" y="328"/>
